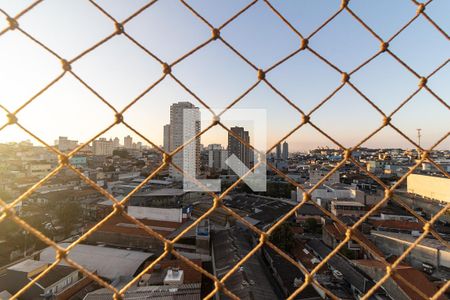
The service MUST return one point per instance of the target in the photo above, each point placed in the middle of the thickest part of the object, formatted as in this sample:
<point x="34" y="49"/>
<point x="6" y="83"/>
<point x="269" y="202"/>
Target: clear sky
<point x="119" y="71"/>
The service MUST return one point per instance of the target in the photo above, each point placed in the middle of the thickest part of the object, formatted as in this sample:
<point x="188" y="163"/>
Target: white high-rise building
<point x="128" y="142"/>
<point x="215" y="157"/>
<point x="116" y="143"/>
<point x="184" y="125"/>
<point x="64" y="144"/>
<point x="102" y="146"/>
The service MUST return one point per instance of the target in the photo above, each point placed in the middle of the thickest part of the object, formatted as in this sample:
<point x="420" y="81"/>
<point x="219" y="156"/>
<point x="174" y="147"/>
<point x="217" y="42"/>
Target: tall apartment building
<point x="278" y="152"/>
<point x="184" y="125"/>
<point x="285" y="153"/>
<point x="128" y="142"/>
<point x="239" y="149"/>
<point x="166" y="138"/>
<point x="102" y="146"/>
<point x="116" y="143"/>
<point x="64" y="144"/>
<point x="216" y="157"/>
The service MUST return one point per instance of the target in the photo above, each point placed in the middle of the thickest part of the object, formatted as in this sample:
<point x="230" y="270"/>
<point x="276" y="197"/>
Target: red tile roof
<point x="120" y="224"/>
<point x="396" y="224"/>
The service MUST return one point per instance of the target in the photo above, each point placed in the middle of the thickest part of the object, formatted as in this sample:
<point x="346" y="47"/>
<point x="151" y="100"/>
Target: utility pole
<point x="419" y="135"/>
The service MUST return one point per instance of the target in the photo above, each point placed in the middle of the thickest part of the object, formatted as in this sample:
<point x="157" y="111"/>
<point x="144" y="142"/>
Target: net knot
<point x="66" y="65"/>
<point x="308" y="279"/>
<point x="264" y="237"/>
<point x="118" y="118"/>
<point x="386" y="120"/>
<point x="304" y="44"/>
<point x="344" y="3"/>
<point x="384" y="46"/>
<point x="12" y="119"/>
<point x="12" y="23"/>
<point x="305" y="119"/>
<point x="420" y="8"/>
<point x="167" y="158"/>
<point x="422" y="82"/>
<point x="347" y="153"/>
<point x="166" y="68"/>
<point x="424" y="154"/>
<point x="168" y="246"/>
<point x="388" y="193"/>
<point x="306" y="196"/>
<point x="345" y="77"/>
<point x="63" y="159"/>
<point x="61" y="254"/>
<point x="215" y="33"/>
<point x="119" y="28"/>
<point x="261" y="74"/>
<point x="348" y="233"/>
<point x="389" y="270"/>
<point x="215" y="120"/>
<point x="118" y="208"/>
<point x="426" y="227"/>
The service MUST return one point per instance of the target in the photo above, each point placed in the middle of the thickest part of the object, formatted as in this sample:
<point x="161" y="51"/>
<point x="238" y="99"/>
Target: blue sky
<point x="119" y="71"/>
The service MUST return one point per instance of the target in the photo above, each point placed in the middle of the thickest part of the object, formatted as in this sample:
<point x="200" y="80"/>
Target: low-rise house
<point x="61" y="282"/>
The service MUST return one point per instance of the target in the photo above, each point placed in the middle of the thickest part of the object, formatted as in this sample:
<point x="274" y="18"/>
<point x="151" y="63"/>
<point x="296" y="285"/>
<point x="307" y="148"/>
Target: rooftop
<point x="251" y="280"/>
<point x="109" y="262"/>
<point x="347" y="203"/>
<point x="160" y="292"/>
<point x="352" y="275"/>
<point x="162" y="193"/>
<point x="28" y="265"/>
<point x="54" y="275"/>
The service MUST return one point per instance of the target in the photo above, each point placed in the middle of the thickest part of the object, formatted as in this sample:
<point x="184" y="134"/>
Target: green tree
<point x="121" y="153"/>
<point x="69" y="215"/>
<point x="312" y="226"/>
<point x="283" y="237"/>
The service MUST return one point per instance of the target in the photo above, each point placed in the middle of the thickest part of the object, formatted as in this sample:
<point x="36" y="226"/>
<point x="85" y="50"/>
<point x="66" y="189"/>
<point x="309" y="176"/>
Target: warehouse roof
<point x="109" y="262"/>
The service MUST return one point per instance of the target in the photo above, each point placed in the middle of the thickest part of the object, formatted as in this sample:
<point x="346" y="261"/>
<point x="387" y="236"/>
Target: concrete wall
<point x="420" y="254"/>
<point x="432" y="187"/>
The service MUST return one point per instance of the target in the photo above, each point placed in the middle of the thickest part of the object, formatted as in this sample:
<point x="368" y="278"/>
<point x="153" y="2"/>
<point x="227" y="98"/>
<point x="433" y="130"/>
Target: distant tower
<point x="116" y="143"/>
<point x="128" y="142"/>
<point x="184" y="125"/>
<point x="237" y="148"/>
<point x="419" y="135"/>
<point x="166" y="142"/>
<point x="278" y="153"/>
<point x="285" y="153"/>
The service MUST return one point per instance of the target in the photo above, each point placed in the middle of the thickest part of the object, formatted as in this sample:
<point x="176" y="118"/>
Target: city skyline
<point x="109" y="73"/>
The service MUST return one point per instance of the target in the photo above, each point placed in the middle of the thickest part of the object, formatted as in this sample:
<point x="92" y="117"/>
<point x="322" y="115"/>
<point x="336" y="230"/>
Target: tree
<point x="312" y="226"/>
<point x="122" y="153"/>
<point x="283" y="237"/>
<point x="69" y="214"/>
